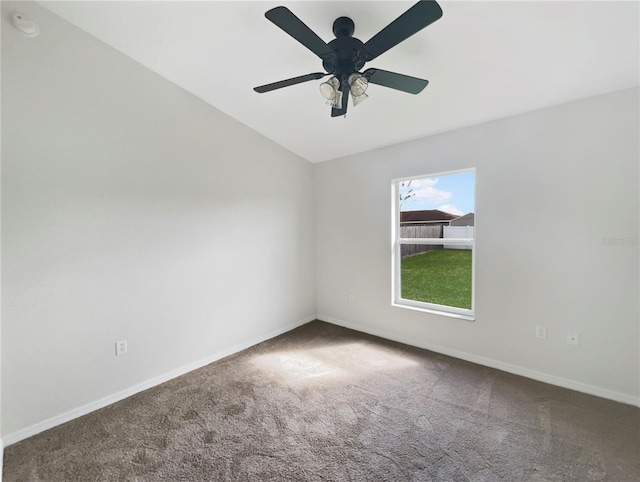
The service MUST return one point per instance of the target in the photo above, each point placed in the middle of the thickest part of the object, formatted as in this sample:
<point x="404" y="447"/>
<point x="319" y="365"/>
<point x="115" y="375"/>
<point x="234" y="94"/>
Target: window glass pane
<point x="435" y="217"/>
<point x="440" y="276"/>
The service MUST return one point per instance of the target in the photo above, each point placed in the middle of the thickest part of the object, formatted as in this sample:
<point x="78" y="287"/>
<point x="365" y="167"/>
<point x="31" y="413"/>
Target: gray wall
<point x="133" y="210"/>
<point x="552" y="187"/>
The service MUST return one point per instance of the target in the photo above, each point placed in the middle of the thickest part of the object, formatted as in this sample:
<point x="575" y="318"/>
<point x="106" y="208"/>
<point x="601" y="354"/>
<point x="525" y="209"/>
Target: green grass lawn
<point x="442" y="277"/>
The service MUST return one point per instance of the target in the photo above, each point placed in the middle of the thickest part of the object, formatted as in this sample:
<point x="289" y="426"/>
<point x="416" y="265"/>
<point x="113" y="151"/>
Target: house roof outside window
<point x="426" y="216"/>
<point x="466" y="220"/>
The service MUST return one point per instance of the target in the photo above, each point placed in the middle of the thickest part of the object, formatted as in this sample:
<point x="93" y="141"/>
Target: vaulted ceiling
<point x="484" y="61"/>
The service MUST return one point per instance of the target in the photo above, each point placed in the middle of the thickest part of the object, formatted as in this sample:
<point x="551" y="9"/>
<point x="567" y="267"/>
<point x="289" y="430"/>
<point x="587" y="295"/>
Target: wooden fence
<point x="419" y="232"/>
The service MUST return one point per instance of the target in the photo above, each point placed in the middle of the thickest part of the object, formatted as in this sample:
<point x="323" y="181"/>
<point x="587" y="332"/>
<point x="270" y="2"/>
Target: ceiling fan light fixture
<point x="358" y="84"/>
<point x="359" y="98"/>
<point x="329" y="89"/>
<point x="347" y="55"/>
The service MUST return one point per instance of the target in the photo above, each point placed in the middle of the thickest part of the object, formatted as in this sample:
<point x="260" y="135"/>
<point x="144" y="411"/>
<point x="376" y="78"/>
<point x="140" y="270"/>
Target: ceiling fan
<point x="345" y="55"/>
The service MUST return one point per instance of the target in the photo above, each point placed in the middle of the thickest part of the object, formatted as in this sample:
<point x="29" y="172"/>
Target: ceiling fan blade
<point x="335" y="112"/>
<point x="286" y="83"/>
<point x="413" y="20"/>
<point x="287" y="21"/>
<point x="405" y="83"/>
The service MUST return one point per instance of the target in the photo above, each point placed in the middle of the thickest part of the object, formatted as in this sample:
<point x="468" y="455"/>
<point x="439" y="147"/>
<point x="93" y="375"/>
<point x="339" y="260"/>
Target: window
<point x="434" y="243"/>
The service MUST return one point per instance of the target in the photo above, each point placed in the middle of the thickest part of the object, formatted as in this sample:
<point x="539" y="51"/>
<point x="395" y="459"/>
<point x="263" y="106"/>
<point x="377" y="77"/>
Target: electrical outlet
<point x="121" y="347"/>
<point x="352" y="298"/>
<point x="573" y="338"/>
<point x="541" y="332"/>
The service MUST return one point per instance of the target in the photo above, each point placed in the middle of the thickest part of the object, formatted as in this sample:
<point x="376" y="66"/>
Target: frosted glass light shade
<point x="359" y="98"/>
<point x="329" y="89"/>
<point x="358" y="84"/>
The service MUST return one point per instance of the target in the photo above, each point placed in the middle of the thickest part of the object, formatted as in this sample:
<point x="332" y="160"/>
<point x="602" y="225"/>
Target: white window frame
<point x="397" y="242"/>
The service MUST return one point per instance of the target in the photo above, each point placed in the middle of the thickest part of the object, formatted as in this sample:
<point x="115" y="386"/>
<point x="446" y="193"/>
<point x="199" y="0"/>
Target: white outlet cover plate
<point x="121" y="347"/>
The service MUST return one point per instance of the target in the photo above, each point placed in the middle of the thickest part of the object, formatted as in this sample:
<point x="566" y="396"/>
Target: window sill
<point x="432" y="311"/>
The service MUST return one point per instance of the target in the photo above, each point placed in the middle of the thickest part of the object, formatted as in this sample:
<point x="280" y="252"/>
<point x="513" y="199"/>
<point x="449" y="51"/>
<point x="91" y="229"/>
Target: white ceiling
<point x="484" y="61"/>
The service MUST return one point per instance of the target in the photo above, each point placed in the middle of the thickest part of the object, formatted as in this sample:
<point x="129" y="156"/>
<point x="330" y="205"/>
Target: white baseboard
<point x="480" y="360"/>
<point x="116" y="397"/>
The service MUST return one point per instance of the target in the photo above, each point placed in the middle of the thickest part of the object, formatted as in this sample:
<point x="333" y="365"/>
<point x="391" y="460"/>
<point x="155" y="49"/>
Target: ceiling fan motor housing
<point x="348" y="54"/>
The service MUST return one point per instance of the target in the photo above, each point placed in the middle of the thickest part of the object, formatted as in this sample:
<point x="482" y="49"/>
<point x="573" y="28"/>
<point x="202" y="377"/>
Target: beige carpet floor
<point x="323" y="403"/>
